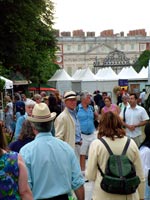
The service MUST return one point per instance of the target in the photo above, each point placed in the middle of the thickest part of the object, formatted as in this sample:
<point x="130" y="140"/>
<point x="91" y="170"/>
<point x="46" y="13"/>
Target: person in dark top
<point x="98" y="98"/>
<point x="26" y="136"/>
<point x="19" y="107"/>
<point x="119" y="97"/>
<point x="53" y="105"/>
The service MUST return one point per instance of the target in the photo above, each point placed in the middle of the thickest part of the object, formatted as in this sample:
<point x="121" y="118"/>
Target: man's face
<point x="23" y="97"/>
<point x="132" y="100"/>
<point x="87" y="100"/>
<point x="29" y="109"/>
<point x="125" y="99"/>
<point x="71" y="103"/>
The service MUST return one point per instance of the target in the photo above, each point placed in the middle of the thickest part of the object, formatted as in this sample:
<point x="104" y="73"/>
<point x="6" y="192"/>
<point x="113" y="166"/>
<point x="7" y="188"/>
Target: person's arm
<point x="80" y="193"/>
<point x="141" y="124"/>
<point x="118" y="110"/>
<point x="60" y="129"/>
<point x="24" y="189"/>
<point x="102" y="111"/>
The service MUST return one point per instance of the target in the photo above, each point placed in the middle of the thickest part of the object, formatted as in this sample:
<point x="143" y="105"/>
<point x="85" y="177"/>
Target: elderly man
<point x="86" y="115"/>
<point x="53" y="169"/>
<point x="67" y="126"/>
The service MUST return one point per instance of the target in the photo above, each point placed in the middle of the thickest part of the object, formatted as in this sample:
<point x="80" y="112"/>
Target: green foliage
<point x="142" y="61"/>
<point x="2" y="84"/>
<point x="27" y="39"/>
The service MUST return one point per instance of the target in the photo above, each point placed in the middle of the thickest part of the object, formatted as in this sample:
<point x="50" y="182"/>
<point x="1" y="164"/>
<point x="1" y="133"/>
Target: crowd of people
<point x="57" y="139"/>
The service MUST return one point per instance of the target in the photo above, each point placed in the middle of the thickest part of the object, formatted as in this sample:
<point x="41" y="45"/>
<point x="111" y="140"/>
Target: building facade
<point x="80" y="50"/>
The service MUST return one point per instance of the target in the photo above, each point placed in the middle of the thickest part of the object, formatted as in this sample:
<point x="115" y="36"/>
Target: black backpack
<point x="120" y="175"/>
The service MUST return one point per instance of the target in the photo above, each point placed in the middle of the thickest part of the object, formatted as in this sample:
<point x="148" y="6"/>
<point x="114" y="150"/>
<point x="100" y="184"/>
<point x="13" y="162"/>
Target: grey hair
<point x="37" y="96"/>
<point x="84" y="94"/>
<point x="43" y="126"/>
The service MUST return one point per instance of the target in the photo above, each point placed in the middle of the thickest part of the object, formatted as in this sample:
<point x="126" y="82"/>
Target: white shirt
<point x="142" y="97"/>
<point x="10" y="108"/>
<point x="122" y="107"/>
<point x="145" y="158"/>
<point x="134" y="116"/>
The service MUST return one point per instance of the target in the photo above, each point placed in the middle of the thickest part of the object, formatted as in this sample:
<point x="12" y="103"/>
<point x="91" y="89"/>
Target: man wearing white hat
<point x="53" y="170"/>
<point x="67" y="126"/>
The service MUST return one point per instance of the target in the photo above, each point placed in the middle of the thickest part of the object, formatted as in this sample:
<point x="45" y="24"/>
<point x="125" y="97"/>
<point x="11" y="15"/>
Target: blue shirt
<point x="18" y="127"/>
<point x="73" y="113"/>
<point x="53" y="168"/>
<point x="86" y="119"/>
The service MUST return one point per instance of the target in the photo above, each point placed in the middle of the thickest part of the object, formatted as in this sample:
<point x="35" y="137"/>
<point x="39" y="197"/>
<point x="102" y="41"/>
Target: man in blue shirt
<point x="86" y="115"/>
<point x="53" y="169"/>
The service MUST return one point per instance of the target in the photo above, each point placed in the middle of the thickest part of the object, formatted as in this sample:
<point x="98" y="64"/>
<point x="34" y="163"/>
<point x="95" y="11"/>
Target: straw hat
<point x="41" y="113"/>
<point x="70" y="95"/>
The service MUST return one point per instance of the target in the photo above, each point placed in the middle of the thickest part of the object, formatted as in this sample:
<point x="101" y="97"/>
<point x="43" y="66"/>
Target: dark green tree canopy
<point x="142" y="60"/>
<point x="27" y="39"/>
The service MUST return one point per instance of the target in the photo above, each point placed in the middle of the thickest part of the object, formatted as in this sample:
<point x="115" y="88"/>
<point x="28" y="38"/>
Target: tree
<point x="142" y="60"/>
<point x="27" y="40"/>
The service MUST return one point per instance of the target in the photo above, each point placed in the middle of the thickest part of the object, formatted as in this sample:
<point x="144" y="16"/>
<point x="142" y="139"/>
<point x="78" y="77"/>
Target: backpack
<point x="120" y="175"/>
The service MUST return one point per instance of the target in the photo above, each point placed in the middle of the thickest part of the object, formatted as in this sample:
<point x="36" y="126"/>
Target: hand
<point x="131" y="127"/>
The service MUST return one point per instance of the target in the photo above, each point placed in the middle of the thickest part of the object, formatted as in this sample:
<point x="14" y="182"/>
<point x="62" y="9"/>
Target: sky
<point x="99" y="15"/>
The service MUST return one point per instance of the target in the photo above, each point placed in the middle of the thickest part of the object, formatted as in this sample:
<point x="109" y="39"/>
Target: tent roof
<point x="84" y="75"/>
<point x="62" y="75"/>
<point x="128" y="73"/>
<point x="143" y="73"/>
<point x="8" y="83"/>
<point x="106" y="73"/>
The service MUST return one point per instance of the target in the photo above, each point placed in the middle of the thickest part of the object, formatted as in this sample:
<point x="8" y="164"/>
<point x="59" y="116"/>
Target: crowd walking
<point x="55" y="151"/>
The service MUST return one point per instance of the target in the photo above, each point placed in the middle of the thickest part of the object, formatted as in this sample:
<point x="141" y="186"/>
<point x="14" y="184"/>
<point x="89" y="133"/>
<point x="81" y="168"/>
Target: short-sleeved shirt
<point x="53" y="168"/>
<point x="133" y="116"/>
<point x="86" y="119"/>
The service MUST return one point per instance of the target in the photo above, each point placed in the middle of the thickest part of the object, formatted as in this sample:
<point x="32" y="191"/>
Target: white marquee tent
<point x="61" y="80"/>
<point x="143" y="73"/>
<point x="106" y="74"/>
<point x="84" y="79"/>
<point x="128" y="73"/>
<point x="8" y="83"/>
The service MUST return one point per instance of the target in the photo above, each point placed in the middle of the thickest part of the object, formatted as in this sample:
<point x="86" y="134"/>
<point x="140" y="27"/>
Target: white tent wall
<point x="108" y="86"/>
<point x="63" y="86"/>
<point x="76" y="86"/>
<point x="61" y="80"/>
<point x="89" y="86"/>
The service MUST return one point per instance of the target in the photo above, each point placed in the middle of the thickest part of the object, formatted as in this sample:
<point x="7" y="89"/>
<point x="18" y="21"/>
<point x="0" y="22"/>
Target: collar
<point x="71" y="111"/>
<point x="136" y="107"/>
<point x="43" y="134"/>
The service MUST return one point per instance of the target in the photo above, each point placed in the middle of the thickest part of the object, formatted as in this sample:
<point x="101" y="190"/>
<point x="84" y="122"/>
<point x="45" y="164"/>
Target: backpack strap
<point x="124" y="111"/>
<point x="106" y="145"/>
<point x="109" y="151"/>
<point x="126" y="146"/>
